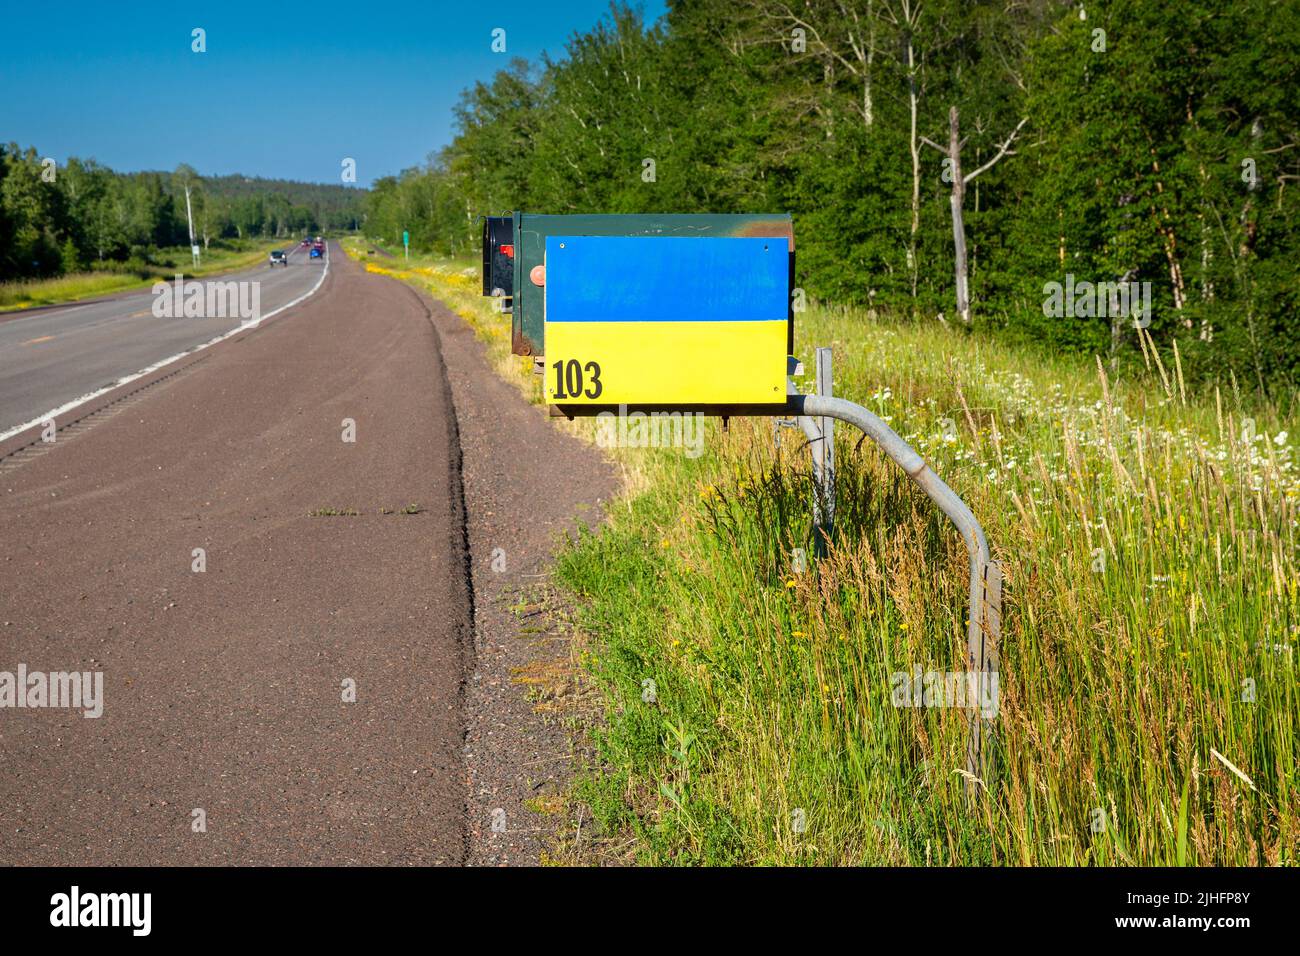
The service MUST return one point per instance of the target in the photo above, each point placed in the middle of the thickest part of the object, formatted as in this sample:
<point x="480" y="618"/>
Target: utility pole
<point x="189" y="218"/>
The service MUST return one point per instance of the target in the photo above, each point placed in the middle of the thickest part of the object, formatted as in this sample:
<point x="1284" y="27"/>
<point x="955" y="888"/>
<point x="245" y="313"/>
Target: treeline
<point x="1134" y="141"/>
<point x="285" y="205"/>
<point x="62" y="218"/>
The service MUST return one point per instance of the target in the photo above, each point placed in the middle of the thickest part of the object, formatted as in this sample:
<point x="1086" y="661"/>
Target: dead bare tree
<point x="960" y="181"/>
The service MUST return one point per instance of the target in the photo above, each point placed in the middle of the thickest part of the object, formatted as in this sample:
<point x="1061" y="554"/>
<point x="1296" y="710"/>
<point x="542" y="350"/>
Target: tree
<point x="960" y="181"/>
<point x="188" y="180"/>
<point x="34" y="211"/>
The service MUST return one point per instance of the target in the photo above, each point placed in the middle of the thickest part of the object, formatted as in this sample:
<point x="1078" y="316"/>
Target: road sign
<point x="665" y="320"/>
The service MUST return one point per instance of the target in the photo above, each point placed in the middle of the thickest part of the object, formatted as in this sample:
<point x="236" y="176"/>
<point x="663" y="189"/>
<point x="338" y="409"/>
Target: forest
<point x="948" y="161"/>
<point x="58" y="219"/>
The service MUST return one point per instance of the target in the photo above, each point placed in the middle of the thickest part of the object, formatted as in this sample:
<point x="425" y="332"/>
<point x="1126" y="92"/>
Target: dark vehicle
<point x="278" y="258"/>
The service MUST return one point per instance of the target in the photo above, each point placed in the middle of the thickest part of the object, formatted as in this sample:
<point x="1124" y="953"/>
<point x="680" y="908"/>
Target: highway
<point x="226" y="688"/>
<point x="54" y="356"/>
<point x="335" y="679"/>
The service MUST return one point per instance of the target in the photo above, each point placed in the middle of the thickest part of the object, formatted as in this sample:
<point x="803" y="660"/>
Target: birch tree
<point x="953" y="173"/>
<point x="904" y="16"/>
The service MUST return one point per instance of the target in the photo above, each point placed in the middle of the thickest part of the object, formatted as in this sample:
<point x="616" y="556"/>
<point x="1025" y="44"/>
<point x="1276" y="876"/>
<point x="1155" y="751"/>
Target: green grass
<point x="29" y="293"/>
<point x="1150" y="558"/>
<point x="1148" y="539"/>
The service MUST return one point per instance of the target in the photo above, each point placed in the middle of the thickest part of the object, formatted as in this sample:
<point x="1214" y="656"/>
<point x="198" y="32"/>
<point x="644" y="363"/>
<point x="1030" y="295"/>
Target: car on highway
<point x="317" y="250"/>
<point x="278" y="258"/>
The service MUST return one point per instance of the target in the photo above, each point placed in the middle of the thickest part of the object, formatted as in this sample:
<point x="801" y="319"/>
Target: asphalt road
<point x="300" y="699"/>
<point x="340" y="682"/>
<point x="51" y="357"/>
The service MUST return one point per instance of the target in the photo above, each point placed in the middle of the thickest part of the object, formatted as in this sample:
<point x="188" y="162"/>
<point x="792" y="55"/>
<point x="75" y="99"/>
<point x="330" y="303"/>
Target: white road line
<point x="54" y="413"/>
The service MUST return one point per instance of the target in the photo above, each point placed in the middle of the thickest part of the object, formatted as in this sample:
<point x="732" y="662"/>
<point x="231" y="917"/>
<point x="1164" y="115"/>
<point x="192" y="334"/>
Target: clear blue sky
<point x="285" y="89"/>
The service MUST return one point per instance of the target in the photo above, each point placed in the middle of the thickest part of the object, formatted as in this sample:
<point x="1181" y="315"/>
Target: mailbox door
<point x="641" y="320"/>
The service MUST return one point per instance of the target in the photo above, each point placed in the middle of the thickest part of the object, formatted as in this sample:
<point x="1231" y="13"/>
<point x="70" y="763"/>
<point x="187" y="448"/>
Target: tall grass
<point x="1149" y="550"/>
<point x="121" y="277"/>
<point x="1148" y="699"/>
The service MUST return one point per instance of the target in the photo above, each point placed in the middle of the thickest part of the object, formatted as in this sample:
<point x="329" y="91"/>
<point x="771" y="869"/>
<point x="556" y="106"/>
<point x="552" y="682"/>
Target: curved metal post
<point x="985" y="625"/>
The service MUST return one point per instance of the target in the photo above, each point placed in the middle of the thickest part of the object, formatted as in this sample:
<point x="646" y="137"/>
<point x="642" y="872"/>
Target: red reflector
<point x="508" y="251"/>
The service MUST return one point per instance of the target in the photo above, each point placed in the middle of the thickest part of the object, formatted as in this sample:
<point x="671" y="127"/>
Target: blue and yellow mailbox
<point x="640" y="320"/>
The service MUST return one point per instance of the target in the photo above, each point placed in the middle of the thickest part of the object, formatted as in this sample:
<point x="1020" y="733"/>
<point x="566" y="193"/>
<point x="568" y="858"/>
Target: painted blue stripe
<point x="666" y="279"/>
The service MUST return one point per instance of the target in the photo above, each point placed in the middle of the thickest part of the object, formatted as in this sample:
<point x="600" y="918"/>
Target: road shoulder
<point x="526" y="484"/>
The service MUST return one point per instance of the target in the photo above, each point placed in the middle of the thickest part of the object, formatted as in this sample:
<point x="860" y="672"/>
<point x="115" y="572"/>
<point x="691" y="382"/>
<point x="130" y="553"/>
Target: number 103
<point x="574" y="380"/>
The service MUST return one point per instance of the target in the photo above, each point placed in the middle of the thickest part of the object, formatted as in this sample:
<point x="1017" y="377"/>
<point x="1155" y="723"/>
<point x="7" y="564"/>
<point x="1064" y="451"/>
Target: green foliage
<point x="60" y="220"/>
<point x="1140" y="115"/>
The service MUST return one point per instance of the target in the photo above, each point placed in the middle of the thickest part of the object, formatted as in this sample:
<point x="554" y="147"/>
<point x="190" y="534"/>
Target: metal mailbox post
<point x="680" y="313"/>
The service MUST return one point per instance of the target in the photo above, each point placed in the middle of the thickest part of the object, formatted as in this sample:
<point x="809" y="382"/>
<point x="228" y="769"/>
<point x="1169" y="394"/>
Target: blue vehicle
<point x="317" y="251"/>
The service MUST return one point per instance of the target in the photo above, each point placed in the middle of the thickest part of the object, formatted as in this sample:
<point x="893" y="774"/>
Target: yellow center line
<point x="43" y="338"/>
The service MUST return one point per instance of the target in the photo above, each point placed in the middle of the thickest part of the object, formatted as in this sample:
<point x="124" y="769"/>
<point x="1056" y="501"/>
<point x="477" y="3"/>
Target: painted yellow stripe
<point x="43" y="338"/>
<point x="670" y="362"/>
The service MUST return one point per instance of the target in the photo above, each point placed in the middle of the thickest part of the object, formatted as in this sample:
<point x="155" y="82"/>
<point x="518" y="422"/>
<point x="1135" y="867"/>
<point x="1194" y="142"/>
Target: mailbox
<point x="690" y="313"/>
<point x="498" y="258"/>
<point x="665" y="321"/>
<point x="672" y="311"/>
